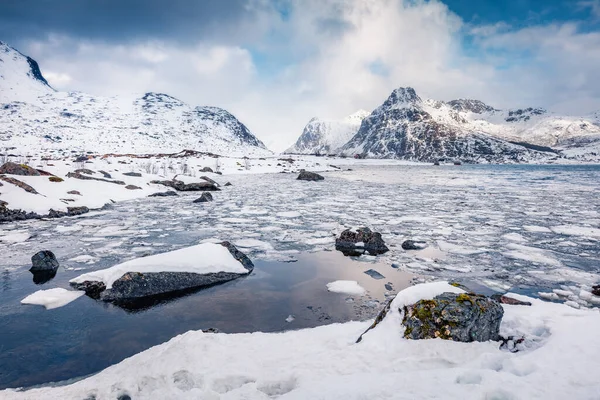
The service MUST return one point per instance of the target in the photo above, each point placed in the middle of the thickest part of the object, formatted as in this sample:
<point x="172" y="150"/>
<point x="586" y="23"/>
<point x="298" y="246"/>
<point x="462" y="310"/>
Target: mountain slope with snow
<point x="327" y="136"/>
<point x="407" y="127"/>
<point x="34" y="118"/>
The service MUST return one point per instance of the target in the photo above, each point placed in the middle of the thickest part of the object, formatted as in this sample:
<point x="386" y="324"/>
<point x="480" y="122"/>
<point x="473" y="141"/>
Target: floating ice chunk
<point x="289" y="214"/>
<point x="84" y="258"/>
<point x="456" y="249"/>
<point x="548" y="295"/>
<point x="515" y="237"/>
<point x="347" y="287"/>
<point x="200" y="259"/>
<point x="573" y="304"/>
<point x="15" y="237"/>
<point x="535" y="228"/>
<point x="532" y="254"/>
<point x="254" y="244"/>
<point x="576" y="230"/>
<point x="52" y="298"/>
<point x="290" y="318"/>
<point x="66" y="229"/>
<point x="563" y="293"/>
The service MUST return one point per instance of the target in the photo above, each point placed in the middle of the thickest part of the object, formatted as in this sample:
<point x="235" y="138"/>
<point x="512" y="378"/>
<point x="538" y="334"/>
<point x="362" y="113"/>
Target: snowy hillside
<point x="407" y="127"/>
<point x="327" y="136"/>
<point x="35" y="118"/>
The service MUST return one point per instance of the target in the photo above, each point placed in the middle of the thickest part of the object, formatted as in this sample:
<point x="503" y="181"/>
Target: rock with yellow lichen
<point x="460" y="317"/>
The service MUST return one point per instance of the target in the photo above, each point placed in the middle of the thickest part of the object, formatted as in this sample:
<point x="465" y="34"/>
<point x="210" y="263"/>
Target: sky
<point x="275" y="64"/>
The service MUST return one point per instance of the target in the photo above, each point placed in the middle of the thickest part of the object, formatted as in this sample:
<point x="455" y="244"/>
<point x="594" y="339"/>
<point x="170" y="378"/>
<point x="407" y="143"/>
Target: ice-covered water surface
<point x="520" y="227"/>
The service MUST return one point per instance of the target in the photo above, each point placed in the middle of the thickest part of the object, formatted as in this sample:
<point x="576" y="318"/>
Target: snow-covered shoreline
<point x="555" y="360"/>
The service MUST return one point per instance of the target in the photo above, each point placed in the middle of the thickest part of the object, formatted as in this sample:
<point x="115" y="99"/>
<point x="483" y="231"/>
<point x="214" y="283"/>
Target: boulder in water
<point x="309" y="176"/>
<point x="363" y="240"/>
<point x="44" y="260"/>
<point x="164" y="194"/>
<point x="413" y="245"/>
<point x="206" y="197"/>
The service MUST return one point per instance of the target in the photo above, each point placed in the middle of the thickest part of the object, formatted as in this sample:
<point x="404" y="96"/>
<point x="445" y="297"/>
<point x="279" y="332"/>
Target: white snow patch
<point x="52" y="298"/>
<point x="576" y="230"/>
<point x="348" y="287"/>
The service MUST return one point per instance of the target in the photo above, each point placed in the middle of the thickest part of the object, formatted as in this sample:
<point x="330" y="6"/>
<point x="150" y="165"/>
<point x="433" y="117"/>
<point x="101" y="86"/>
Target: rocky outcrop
<point x="188" y="187"/>
<point x="459" y="317"/>
<point x="12" y="168"/>
<point x="164" y="194"/>
<point x="55" y="179"/>
<point x="207" y="179"/>
<point x="500" y="298"/>
<point x="206" y="169"/>
<point x="413" y="245"/>
<point x="228" y="184"/>
<point x="76" y="192"/>
<point x="78" y="175"/>
<point x="44" y="260"/>
<point x="134" y="174"/>
<point x="18" y="183"/>
<point x="309" y="176"/>
<point x="206" y="197"/>
<point x="134" y="286"/>
<point x="363" y="240"/>
<point x="105" y="174"/>
<point x="133" y="187"/>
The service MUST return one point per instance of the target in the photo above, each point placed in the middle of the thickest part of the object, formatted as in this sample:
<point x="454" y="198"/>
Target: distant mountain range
<point x="35" y="118"/>
<point x="410" y="128"/>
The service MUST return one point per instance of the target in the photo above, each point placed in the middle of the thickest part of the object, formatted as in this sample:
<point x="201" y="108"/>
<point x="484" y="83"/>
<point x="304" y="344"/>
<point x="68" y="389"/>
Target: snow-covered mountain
<point x="35" y="118"/>
<point x="327" y="136"/>
<point x="407" y="127"/>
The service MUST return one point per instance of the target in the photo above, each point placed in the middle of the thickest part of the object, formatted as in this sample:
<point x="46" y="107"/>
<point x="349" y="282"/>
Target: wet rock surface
<point x="44" y="260"/>
<point x="188" y="187"/>
<point x="206" y="197"/>
<point x="168" y="193"/>
<point x="413" y="245"/>
<point x="460" y="317"/>
<point x="363" y="240"/>
<point x="12" y="168"/>
<point x="309" y="176"/>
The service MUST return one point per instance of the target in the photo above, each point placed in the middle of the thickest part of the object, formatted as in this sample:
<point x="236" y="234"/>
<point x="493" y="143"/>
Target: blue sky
<point x="276" y="64"/>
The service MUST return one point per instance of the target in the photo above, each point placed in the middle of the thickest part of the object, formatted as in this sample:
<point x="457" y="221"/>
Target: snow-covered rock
<point x="327" y="136"/>
<point x="34" y="118"/>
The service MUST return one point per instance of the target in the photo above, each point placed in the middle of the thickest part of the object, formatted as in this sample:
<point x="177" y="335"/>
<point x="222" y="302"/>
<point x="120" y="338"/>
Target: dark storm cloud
<point x="121" y="20"/>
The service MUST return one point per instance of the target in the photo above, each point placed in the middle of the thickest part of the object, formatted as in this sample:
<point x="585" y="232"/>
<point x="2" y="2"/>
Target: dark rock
<point x="18" y="183"/>
<point x="84" y="171"/>
<point x="509" y="300"/>
<point x="211" y="330"/>
<point x="164" y="194"/>
<point x="136" y="174"/>
<point x="133" y="286"/>
<point x="206" y="197"/>
<point x="596" y="290"/>
<point x="371" y="242"/>
<point x="56" y="214"/>
<point x="206" y="169"/>
<point x="7" y="215"/>
<point x="78" y="175"/>
<point x="227" y="184"/>
<point x="207" y="179"/>
<point x="124" y="396"/>
<point x="105" y="174"/>
<point x="413" y="245"/>
<point x="44" y="173"/>
<point x="74" y="192"/>
<point x="459" y="317"/>
<point x="72" y="211"/>
<point x="81" y="159"/>
<point x="41" y="277"/>
<point x="133" y="187"/>
<point x="12" y="168"/>
<point x="309" y="176"/>
<point x="388" y="287"/>
<point x="55" y="179"/>
<point x="44" y="261"/>
<point x="374" y="274"/>
<point x="188" y="187"/>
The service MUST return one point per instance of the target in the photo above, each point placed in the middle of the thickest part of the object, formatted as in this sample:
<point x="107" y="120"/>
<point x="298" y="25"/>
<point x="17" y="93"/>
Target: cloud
<point x="277" y="64"/>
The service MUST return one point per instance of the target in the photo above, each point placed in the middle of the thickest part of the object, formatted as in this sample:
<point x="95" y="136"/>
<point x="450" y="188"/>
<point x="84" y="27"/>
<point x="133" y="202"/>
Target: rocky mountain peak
<point x="401" y="97"/>
<point x="469" y="105"/>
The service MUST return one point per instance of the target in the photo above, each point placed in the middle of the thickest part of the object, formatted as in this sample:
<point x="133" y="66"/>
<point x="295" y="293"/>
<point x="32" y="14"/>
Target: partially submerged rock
<point x="206" y="169"/>
<point x="188" y="187"/>
<point x="596" y="290"/>
<point x="133" y="286"/>
<point x="133" y="187"/>
<point x="206" y="197"/>
<point x="164" y="194"/>
<point x="227" y="184"/>
<point x="452" y="316"/>
<point x="413" y="245"/>
<point x="309" y="176"/>
<point x="363" y="240"/>
<point x="44" y="260"/>
<point x="207" y="179"/>
<point x="12" y="168"/>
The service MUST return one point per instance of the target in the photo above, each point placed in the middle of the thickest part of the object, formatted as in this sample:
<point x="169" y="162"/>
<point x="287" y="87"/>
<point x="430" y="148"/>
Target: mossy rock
<point x="55" y="179"/>
<point x="462" y="317"/>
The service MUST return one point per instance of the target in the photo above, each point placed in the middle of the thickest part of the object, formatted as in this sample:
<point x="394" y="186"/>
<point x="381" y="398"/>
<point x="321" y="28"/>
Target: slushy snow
<point x="200" y="259"/>
<point x="348" y="287"/>
<point x="557" y="360"/>
<point x="52" y="298"/>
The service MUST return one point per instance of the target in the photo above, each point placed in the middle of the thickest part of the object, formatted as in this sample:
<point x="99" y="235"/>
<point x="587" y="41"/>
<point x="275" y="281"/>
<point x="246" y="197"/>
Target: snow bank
<point x="348" y="287"/>
<point x="52" y="298"/>
<point x="557" y="361"/>
<point x="200" y="259"/>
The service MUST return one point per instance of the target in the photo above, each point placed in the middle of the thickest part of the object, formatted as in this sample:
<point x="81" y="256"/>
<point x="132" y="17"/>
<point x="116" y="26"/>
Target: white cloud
<point x="322" y="55"/>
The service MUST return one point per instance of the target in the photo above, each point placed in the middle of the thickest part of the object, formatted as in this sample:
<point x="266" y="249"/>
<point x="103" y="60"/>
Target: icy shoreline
<point x="324" y="362"/>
